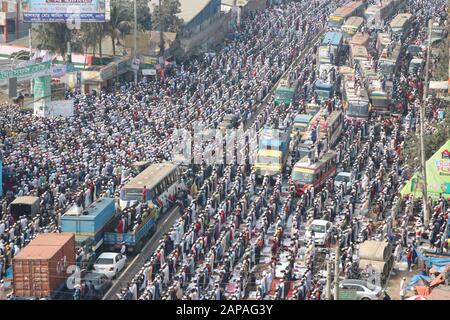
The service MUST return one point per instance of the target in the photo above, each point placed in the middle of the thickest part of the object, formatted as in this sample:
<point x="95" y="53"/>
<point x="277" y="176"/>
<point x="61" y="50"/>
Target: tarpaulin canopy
<point x="438" y="176"/>
<point x="439" y="264"/>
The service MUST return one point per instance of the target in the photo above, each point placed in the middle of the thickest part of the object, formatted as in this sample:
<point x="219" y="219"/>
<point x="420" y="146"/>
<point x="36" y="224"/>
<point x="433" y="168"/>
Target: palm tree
<point x="120" y="23"/>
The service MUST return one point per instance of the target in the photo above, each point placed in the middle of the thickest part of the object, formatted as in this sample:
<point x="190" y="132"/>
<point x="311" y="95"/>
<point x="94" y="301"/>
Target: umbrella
<point x="416" y="298"/>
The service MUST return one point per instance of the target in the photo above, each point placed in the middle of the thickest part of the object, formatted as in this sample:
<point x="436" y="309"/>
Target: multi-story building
<point x="11" y="28"/>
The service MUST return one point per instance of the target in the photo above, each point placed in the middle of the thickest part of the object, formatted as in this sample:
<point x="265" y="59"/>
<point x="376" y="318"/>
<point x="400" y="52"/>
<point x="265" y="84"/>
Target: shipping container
<point x="40" y="269"/>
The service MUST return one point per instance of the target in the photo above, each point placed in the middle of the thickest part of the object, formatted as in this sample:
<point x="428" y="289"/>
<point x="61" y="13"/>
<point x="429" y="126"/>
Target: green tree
<point x="170" y="21"/>
<point x="432" y="143"/>
<point x="54" y="37"/>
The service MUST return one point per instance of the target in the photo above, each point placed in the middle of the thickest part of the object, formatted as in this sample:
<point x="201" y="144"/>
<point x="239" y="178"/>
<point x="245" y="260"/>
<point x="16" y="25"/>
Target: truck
<point x="357" y="54"/>
<point x="356" y="102"/>
<point x="133" y="239"/>
<point x="323" y="90"/>
<point x="40" y="269"/>
<point x="416" y="66"/>
<point x="88" y="225"/>
<point x="300" y="125"/>
<point x="285" y="91"/>
<point x="273" y="151"/>
<point x="28" y="206"/>
<point x="379" y="98"/>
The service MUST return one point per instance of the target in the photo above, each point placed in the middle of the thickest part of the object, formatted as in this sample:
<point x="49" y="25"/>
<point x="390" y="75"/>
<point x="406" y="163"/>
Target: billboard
<point x="65" y="10"/>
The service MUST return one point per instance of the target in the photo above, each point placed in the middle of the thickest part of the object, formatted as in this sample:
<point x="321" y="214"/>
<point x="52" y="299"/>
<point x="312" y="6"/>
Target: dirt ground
<point x="393" y="287"/>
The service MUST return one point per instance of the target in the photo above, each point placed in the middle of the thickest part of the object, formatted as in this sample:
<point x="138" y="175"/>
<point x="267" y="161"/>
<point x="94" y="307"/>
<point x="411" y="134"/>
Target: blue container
<point x="98" y="215"/>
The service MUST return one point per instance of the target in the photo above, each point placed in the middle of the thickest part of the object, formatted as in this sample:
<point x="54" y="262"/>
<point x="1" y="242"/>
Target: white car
<point x="322" y="230"/>
<point x="110" y="264"/>
<point x="343" y="177"/>
<point x="364" y="290"/>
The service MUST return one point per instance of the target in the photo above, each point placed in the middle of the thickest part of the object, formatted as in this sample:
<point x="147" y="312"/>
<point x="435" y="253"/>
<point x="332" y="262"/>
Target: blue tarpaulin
<point x="415" y="279"/>
<point x="434" y="262"/>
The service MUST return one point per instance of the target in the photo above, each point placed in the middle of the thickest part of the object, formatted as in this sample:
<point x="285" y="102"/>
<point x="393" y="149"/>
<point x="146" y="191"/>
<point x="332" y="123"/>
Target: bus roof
<point x="151" y="176"/>
<point x="303" y="118"/>
<point x="354" y="21"/>
<point x="400" y="19"/>
<point x="332" y="37"/>
<point x="305" y="164"/>
<point x="323" y="85"/>
<point x="270" y="153"/>
<point x="347" y="8"/>
<point x="359" y="51"/>
<point x="359" y="38"/>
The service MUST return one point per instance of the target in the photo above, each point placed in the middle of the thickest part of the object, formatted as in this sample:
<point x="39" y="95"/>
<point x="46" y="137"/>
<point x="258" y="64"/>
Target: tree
<point x="54" y="37"/>
<point x="169" y="11"/>
<point x="432" y="143"/>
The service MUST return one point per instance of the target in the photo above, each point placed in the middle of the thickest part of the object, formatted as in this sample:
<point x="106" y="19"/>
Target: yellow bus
<point x="269" y="162"/>
<point x="351" y="26"/>
<point x="351" y="8"/>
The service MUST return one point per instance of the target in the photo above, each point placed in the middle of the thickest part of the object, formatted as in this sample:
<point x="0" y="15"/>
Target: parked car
<point x="344" y="177"/>
<point x="323" y="231"/>
<point x="110" y="264"/>
<point x="100" y="282"/>
<point x="364" y="290"/>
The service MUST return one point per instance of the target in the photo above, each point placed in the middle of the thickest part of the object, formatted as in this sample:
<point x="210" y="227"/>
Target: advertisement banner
<point x="149" y="72"/>
<point x="64" y="10"/>
<point x="58" y="70"/>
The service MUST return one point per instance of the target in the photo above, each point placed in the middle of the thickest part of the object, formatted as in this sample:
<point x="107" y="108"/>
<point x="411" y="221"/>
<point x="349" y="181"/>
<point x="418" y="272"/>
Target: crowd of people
<point x="229" y="228"/>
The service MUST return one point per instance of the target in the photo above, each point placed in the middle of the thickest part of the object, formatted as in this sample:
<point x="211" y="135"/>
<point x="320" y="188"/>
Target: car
<point x="364" y="290"/>
<point x="323" y="231"/>
<point x="110" y="264"/>
<point x="344" y="177"/>
<point x="100" y="282"/>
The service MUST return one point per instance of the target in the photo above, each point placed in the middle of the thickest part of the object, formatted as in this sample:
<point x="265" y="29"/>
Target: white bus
<point x="161" y="181"/>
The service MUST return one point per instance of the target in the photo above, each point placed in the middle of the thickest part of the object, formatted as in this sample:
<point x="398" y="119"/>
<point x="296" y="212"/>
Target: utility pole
<point x="328" y="287"/>
<point x="135" y="42"/>
<point x="161" y="30"/>
<point x="426" y="214"/>
<point x="336" y="271"/>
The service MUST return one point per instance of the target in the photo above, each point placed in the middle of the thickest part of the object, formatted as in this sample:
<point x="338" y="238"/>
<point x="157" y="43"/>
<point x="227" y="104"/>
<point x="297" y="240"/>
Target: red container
<point x="40" y="268"/>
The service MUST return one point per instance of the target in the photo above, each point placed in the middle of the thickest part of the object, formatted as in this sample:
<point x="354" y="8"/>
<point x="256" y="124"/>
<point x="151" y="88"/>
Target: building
<point x="204" y="26"/>
<point x="11" y="28"/>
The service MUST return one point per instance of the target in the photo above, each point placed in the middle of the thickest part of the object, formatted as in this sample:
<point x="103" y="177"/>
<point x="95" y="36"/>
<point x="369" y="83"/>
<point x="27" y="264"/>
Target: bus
<point x="161" y="182"/>
<point x="376" y="14"/>
<point x="351" y="8"/>
<point x="389" y="61"/>
<point x="285" y="91"/>
<point x="351" y="26"/>
<point x="383" y="40"/>
<point x="360" y="39"/>
<point x="330" y="124"/>
<point x="356" y="102"/>
<point x="357" y="54"/>
<point x="330" y="48"/>
<point x="306" y="173"/>
<point x="379" y="98"/>
<point x="400" y="24"/>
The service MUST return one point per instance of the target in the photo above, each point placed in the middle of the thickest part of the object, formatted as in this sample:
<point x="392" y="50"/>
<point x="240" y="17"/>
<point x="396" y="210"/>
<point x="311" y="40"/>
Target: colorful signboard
<point x="33" y="70"/>
<point x="65" y="10"/>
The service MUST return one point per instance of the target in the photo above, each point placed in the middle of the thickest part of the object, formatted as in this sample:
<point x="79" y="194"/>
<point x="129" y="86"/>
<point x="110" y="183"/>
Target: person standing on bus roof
<point x="144" y="194"/>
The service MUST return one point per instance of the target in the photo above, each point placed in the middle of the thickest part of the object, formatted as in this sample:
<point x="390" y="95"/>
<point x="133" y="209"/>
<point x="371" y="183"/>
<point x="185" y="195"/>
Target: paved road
<point x="136" y="264"/>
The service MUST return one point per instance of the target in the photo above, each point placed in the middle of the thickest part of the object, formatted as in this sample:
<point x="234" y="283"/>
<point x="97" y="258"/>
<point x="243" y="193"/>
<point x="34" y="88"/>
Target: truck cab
<point x="323" y="90"/>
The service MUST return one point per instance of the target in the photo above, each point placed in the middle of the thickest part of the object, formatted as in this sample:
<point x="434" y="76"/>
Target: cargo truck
<point x="88" y="225"/>
<point x="133" y="239"/>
